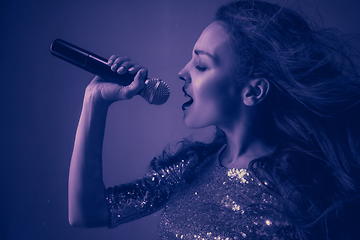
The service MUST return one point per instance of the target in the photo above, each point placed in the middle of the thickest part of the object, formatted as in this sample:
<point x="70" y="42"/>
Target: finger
<point x="118" y="62"/>
<point x="123" y="68"/>
<point x="136" y="85"/>
<point x="134" y="69"/>
<point x="111" y="60"/>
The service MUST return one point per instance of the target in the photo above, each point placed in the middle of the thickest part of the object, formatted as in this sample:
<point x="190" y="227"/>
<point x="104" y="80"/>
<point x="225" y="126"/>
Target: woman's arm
<point x="87" y="204"/>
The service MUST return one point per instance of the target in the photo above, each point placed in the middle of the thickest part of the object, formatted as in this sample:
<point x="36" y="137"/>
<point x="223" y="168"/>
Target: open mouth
<point x="188" y="103"/>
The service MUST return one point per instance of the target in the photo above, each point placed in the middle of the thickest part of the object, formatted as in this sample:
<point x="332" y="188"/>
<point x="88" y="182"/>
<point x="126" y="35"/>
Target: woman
<point x="285" y="161"/>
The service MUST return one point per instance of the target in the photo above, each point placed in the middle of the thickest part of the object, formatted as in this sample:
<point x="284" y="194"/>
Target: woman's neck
<point x="244" y="145"/>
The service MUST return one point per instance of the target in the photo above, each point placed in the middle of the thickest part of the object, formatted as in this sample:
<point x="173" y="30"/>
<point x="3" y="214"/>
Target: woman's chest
<point x="214" y="205"/>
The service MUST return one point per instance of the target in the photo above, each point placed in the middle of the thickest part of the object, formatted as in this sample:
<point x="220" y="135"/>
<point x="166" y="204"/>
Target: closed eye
<point x="200" y="68"/>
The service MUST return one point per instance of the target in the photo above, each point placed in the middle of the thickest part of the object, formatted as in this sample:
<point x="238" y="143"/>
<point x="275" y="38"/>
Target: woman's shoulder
<point x="187" y="161"/>
<point x="184" y="169"/>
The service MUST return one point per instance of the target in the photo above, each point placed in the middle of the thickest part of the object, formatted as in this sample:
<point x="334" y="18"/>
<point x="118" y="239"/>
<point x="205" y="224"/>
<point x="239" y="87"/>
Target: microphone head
<point x="155" y="91"/>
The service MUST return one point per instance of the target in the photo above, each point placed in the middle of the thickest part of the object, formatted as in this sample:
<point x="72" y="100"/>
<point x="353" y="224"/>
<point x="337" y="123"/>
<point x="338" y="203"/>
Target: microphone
<point x="155" y="91"/>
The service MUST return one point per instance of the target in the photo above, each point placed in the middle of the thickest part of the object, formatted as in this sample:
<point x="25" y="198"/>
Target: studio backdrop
<point x="41" y="98"/>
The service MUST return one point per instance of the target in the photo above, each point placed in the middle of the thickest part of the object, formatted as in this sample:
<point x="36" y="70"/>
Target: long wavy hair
<point x="313" y="106"/>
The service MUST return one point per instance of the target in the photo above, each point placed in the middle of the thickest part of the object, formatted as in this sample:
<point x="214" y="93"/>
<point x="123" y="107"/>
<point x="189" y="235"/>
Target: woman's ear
<point x="255" y="91"/>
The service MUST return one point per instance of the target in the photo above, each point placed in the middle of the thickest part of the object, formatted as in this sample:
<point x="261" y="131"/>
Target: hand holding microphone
<point x="109" y="90"/>
<point x="117" y="70"/>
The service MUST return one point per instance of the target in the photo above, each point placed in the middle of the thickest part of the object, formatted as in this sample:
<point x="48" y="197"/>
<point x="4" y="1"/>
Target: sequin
<point x="220" y="203"/>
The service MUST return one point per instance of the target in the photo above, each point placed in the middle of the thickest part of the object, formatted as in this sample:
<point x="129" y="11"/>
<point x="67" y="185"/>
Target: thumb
<point x="136" y="85"/>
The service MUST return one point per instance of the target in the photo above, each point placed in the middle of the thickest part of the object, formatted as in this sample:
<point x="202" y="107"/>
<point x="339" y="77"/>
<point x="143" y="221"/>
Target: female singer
<point x="284" y="163"/>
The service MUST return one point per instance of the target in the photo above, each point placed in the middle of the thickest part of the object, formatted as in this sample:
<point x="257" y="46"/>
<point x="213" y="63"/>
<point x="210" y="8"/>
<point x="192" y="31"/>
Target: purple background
<point x="41" y="98"/>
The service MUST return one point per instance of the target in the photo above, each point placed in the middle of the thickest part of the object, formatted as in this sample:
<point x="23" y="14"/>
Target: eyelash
<point x="201" y="69"/>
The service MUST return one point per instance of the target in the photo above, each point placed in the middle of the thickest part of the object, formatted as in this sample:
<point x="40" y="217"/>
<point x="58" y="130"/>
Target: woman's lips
<point x="187" y="104"/>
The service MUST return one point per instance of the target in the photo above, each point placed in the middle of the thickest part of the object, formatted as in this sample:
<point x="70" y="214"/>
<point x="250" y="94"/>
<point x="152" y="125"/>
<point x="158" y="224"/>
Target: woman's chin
<point x="188" y="122"/>
<point x="192" y="123"/>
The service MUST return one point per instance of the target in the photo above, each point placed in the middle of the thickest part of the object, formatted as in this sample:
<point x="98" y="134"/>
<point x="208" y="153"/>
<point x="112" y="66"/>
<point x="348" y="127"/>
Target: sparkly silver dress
<point x="218" y="203"/>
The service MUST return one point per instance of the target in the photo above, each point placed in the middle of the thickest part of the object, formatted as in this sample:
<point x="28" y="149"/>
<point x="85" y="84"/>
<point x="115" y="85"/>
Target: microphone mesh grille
<point x="155" y="91"/>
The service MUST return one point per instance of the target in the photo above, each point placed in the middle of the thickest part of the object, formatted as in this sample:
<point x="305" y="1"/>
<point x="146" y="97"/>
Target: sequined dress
<point x="219" y="203"/>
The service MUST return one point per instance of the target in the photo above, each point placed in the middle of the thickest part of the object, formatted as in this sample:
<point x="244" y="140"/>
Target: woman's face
<point x="209" y="81"/>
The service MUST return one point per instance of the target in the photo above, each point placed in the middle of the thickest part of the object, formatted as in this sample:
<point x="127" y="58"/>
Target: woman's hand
<point x="108" y="92"/>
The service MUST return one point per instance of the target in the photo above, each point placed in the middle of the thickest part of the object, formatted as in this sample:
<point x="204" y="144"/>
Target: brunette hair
<point x="314" y="106"/>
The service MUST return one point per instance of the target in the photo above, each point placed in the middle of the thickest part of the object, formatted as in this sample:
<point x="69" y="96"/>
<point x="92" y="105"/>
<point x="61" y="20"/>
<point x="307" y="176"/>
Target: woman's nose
<point x="184" y="74"/>
<point x="181" y="76"/>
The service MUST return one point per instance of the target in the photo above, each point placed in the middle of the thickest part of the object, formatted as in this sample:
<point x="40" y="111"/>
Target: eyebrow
<point x="197" y="52"/>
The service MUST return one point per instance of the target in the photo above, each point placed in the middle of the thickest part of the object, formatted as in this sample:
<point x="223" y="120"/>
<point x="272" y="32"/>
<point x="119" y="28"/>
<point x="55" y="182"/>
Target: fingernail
<point x="131" y="69"/>
<point x="120" y="69"/>
<point x="143" y="73"/>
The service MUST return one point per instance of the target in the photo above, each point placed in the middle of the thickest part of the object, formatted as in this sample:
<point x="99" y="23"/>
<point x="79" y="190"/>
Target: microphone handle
<point x="88" y="61"/>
